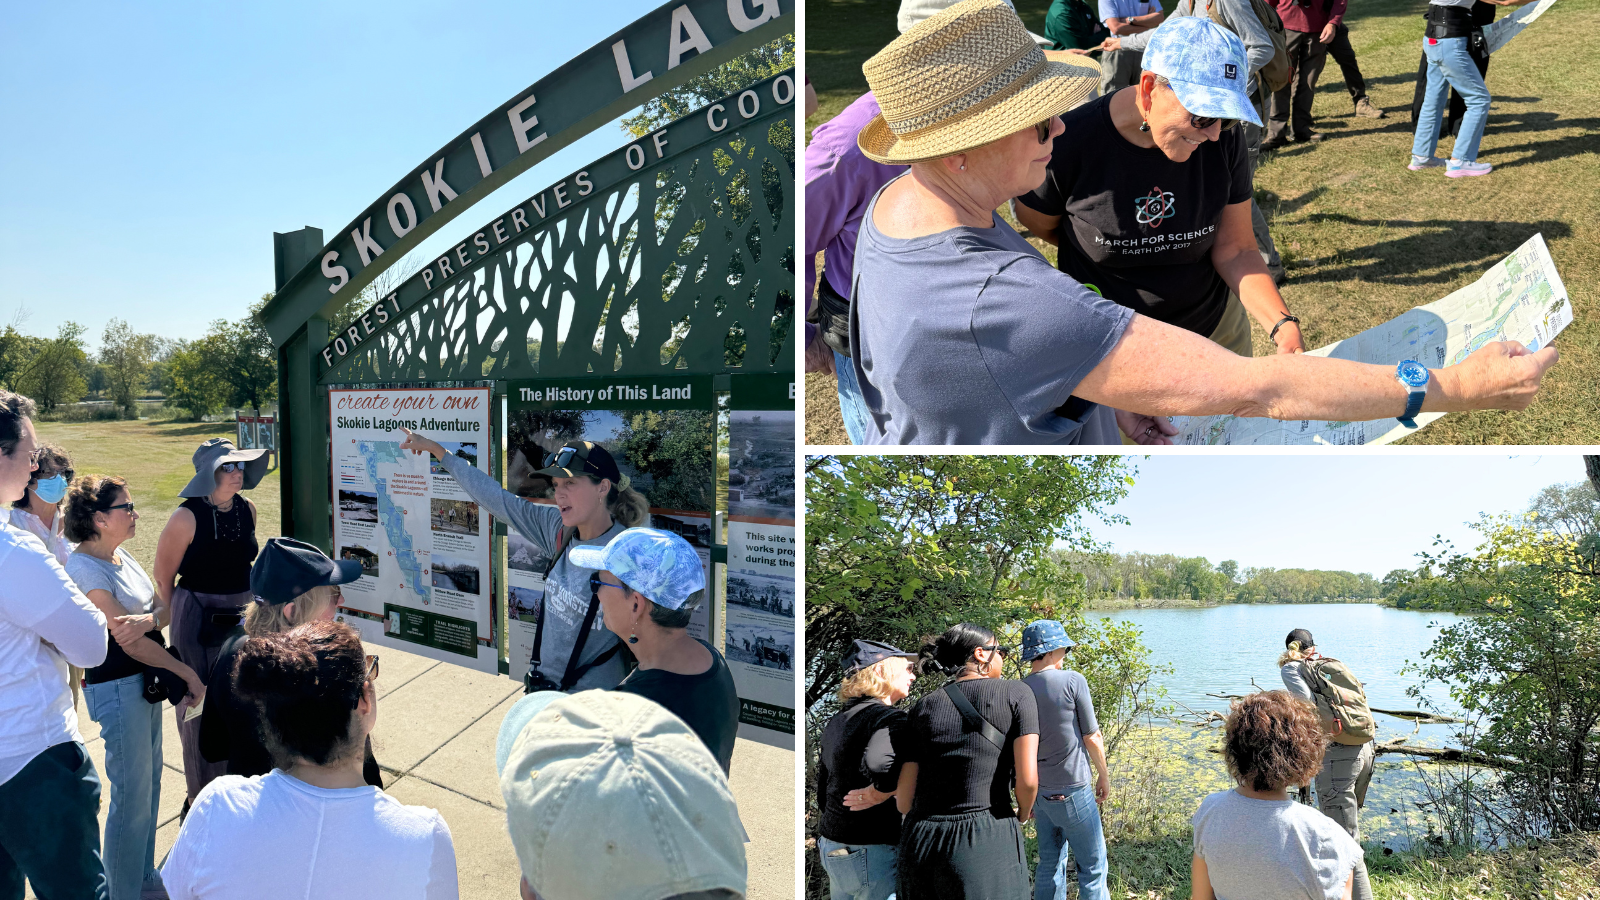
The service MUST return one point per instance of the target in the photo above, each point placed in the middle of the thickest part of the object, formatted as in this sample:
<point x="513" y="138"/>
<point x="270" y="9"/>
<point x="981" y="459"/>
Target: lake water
<point x="1220" y="649"/>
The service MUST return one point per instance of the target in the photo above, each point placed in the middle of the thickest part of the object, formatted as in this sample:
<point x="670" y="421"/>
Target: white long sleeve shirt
<point x="39" y="602"/>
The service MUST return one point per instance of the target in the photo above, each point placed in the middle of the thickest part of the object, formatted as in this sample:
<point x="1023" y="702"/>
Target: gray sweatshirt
<point x="566" y="588"/>
<point x="1238" y="16"/>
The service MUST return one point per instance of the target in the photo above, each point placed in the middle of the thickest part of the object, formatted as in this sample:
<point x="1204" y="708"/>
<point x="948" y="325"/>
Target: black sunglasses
<point x="231" y="467"/>
<point x="996" y="648"/>
<point x="1201" y="123"/>
<point x="595" y="581"/>
<point x="127" y="506"/>
<point x="1042" y="129"/>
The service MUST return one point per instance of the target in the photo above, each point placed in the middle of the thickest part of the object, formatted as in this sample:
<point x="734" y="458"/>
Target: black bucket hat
<point x="288" y="568"/>
<point x="581" y="458"/>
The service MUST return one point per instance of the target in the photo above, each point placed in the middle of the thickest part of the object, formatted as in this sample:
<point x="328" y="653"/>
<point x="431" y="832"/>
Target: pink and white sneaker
<point x="1418" y="163"/>
<point x="1459" y="169"/>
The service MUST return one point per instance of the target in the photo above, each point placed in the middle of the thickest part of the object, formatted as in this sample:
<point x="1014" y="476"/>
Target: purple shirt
<point x="840" y="182"/>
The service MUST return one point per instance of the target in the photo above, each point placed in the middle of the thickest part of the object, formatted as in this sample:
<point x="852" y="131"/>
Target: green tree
<point x="674" y="450"/>
<point x="16" y="349"/>
<point x="1229" y="569"/>
<point x="734" y="75"/>
<point x="251" y="359"/>
<point x="54" y="374"/>
<point x="196" y="376"/>
<point x="898" y="548"/>
<point x="125" y="355"/>
<point x="1527" y="663"/>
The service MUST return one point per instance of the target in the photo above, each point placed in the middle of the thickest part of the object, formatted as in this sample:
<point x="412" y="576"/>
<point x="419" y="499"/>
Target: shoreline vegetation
<point x="1115" y="604"/>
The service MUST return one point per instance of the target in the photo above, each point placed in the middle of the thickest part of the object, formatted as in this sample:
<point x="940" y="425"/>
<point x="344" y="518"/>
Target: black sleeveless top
<point x="218" y="559"/>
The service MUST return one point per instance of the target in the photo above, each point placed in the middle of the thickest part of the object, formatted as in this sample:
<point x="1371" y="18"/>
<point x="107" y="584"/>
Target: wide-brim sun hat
<point x="1206" y="66"/>
<point x="965" y="77"/>
<point x="214" y="453"/>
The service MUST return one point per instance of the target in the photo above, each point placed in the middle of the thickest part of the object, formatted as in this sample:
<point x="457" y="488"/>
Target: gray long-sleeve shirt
<point x="1238" y="16"/>
<point x="566" y="588"/>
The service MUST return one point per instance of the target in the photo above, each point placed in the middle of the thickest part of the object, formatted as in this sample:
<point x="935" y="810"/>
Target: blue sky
<point x="153" y="148"/>
<point x="1361" y="513"/>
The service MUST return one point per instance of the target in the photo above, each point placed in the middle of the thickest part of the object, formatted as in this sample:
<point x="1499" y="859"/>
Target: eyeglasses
<point x="372" y="667"/>
<point x="127" y="506"/>
<point x="231" y="467"/>
<point x="33" y="456"/>
<point x="996" y="648"/>
<point x="562" y="459"/>
<point x="1043" y="131"/>
<point x="1201" y="123"/>
<point x="595" y="581"/>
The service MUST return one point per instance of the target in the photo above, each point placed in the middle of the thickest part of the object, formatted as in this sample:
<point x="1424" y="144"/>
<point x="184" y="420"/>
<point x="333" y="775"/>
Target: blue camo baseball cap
<point x="1206" y="65"/>
<point x="657" y="564"/>
<point x="1042" y="636"/>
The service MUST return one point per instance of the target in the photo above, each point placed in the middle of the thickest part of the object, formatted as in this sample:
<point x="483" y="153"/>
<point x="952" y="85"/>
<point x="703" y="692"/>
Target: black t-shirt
<point x="858" y="750"/>
<point x="708" y="703"/>
<point x="961" y="771"/>
<point x="1137" y="225"/>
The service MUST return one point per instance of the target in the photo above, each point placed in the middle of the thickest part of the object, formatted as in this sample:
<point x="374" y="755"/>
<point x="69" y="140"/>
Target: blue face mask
<point x="51" y="490"/>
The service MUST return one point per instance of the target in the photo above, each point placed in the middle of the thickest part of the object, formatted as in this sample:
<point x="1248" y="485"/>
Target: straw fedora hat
<point x="963" y="78"/>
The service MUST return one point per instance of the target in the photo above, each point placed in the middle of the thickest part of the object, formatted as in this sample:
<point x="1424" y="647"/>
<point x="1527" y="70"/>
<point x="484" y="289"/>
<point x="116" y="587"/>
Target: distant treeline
<point x="1165" y="576"/>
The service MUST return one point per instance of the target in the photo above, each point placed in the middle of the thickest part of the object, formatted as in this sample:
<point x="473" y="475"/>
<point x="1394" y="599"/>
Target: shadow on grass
<point x="1273" y="206"/>
<point x="167" y="428"/>
<point x="1446" y="250"/>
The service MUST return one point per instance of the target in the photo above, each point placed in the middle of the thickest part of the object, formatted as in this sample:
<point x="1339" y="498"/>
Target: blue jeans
<point x="1450" y="65"/>
<point x="862" y="872"/>
<point x="48" y="831"/>
<point x="1074" y="822"/>
<point x="132" y="732"/>
<point x="852" y="406"/>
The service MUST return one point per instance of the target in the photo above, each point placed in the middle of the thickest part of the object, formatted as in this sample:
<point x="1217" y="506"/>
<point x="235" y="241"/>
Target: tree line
<point x="1165" y="576"/>
<point x="232" y="365"/>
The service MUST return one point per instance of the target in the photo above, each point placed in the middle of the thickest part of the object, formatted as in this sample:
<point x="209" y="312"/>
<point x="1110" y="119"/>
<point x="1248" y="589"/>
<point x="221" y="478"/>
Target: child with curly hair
<point x="1253" y="841"/>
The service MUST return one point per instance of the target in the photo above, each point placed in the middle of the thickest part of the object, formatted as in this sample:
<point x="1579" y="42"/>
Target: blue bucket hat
<point x="1206" y="65"/>
<point x="1042" y="636"/>
<point x="655" y="563"/>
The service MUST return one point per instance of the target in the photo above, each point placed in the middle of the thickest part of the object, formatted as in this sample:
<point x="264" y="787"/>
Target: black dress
<point x="962" y="840"/>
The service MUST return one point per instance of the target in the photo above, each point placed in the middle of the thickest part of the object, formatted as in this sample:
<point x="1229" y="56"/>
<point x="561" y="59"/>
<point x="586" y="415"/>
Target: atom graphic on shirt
<point x="1154" y="208"/>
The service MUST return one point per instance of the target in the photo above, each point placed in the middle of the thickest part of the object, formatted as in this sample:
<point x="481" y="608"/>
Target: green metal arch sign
<point x="657" y="52"/>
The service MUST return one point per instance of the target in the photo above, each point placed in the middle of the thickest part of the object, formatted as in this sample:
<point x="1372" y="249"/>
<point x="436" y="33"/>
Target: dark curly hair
<point x="87" y="496"/>
<point x="53" y="461"/>
<point x="307" y="682"/>
<point x="1272" y="740"/>
<point x="949" y="654"/>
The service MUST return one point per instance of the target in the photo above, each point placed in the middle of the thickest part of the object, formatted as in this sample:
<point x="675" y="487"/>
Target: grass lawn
<point x="1364" y="238"/>
<point x="155" y="457"/>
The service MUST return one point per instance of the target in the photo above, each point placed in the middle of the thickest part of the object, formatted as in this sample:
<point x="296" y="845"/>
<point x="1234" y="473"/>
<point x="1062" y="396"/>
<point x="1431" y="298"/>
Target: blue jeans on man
<point x="861" y="871"/>
<point x="131" y="727"/>
<point x="1072" y="821"/>
<point x="1450" y="65"/>
<point x="48" y="831"/>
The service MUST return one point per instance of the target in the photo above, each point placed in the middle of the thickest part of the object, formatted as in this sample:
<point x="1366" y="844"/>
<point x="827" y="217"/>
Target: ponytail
<point x="627" y="505"/>
<point x="950" y="653"/>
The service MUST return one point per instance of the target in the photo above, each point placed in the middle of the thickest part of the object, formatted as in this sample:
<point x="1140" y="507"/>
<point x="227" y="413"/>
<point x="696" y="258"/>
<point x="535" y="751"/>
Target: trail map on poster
<point x="422" y="542"/>
<point x="759" y="634"/>
<point x="1521" y="298"/>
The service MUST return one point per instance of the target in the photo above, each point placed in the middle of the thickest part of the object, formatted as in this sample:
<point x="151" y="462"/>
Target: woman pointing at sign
<point x="572" y="649"/>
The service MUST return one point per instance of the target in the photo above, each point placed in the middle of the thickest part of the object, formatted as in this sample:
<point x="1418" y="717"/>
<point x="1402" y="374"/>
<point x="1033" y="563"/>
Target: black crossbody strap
<point x="571" y="676"/>
<point x="538" y="620"/>
<point x="971" y="720"/>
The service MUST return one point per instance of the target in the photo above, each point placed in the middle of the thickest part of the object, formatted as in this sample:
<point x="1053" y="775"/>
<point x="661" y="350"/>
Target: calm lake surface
<point x="1220" y="649"/>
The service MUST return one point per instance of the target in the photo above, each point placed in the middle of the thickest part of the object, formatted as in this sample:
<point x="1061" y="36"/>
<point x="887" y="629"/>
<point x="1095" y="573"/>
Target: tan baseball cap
<point x="610" y="797"/>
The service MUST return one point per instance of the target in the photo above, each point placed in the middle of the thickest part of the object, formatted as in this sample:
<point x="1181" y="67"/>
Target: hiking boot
<point x="1366" y="110"/>
<point x="1418" y="163"/>
<point x="1459" y="169"/>
<point x="1311" y="138"/>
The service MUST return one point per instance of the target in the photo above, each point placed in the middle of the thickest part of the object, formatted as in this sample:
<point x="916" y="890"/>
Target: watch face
<point x="1413" y="373"/>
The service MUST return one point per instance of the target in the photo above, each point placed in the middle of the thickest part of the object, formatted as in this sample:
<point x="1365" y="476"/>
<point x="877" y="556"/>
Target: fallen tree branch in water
<point x="1443" y="754"/>
<point x="1420" y="717"/>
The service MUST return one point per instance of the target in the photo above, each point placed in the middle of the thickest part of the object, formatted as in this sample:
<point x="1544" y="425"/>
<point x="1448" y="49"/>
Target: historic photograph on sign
<point x="761" y="464"/>
<point x="666" y="454"/>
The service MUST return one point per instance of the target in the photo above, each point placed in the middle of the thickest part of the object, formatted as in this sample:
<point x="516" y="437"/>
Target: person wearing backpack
<point x="1309" y="27"/>
<point x="1341" y="703"/>
<point x="960" y="752"/>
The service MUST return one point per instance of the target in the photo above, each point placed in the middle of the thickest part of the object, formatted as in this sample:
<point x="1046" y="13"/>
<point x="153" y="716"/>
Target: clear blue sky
<point x="151" y="149"/>
<point x="1361" y="513"/>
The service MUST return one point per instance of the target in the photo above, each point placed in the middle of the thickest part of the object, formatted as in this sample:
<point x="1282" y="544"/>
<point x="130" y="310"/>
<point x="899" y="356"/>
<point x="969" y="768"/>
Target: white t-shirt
<point x="39" y="603"/>
<point x="1272" y="849"/>
<point x="274" y="837"/>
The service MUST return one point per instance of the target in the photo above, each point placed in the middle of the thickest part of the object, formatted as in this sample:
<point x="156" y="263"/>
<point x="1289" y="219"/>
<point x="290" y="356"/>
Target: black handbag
<point x="163" y="684"/>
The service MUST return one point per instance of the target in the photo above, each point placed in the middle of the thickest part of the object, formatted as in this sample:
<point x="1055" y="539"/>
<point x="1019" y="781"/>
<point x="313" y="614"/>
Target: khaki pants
<point x="1233" y="332"/>
<point x="1342" y="791"/>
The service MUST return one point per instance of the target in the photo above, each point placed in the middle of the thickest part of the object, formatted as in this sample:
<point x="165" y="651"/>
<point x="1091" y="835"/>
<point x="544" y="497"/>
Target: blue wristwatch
<point x="1413" y="376"/>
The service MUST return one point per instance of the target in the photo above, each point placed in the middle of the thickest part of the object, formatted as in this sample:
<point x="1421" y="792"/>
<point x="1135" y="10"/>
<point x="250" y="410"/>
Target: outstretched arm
<point x="533" y="521"/>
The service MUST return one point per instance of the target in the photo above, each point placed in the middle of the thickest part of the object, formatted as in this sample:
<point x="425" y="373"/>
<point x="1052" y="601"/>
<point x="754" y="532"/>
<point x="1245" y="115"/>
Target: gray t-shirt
<point x="969" y="336"/>
<point x="1272" y="849"/>
<point x="566" y="588"/>
<point x="128" y="583"/>
<point x="1066" y="715"/>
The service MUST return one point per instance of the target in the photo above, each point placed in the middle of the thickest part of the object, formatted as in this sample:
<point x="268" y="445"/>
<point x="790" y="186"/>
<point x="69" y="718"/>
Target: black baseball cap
<point x="867" y="653"/>
<point x="581" y="458"/>
<point x="288" y="568"/>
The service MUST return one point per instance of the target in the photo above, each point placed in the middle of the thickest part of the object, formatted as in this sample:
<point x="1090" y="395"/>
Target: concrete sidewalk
<point x="435" y="741"/>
